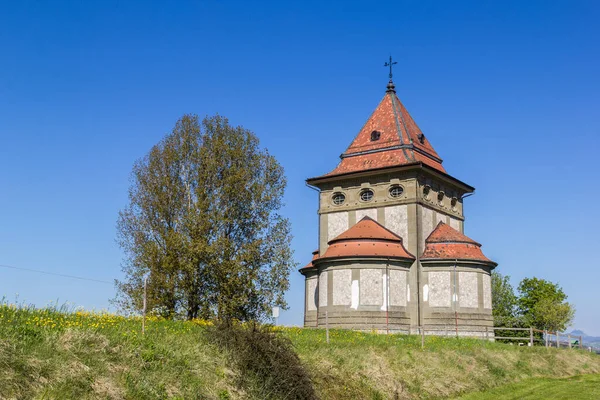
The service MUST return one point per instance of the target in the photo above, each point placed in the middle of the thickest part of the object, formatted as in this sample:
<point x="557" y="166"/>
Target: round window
<point x="338" y="198"/>
<point x="366" y="195"/>
<point x="396" y="191"/>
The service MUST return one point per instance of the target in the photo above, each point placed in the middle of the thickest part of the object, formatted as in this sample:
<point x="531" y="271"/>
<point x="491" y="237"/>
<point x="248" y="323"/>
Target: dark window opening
<point x="396" y="191"/>
<point x="366" y="195"/>
<point x="338" y="199"/>
<point x="375" y="135"/>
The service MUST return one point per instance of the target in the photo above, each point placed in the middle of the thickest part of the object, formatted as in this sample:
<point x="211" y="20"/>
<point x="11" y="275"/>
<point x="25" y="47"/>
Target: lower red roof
<point x="367" y="238"/>
<point x="446" y="243"/>
<point x="310" y="264"/>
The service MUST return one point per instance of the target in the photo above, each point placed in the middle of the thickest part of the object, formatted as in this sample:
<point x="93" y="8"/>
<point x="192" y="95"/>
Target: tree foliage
<point x="543" y="305"/>
<point x="539" y="303"/>
<point x="504" y="301"/>
<point x="203" y="223"/>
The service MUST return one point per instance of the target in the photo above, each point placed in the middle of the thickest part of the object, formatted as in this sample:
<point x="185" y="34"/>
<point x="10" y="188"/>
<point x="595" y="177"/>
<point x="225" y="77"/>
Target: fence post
<point x="326" y="327"/>
<point x="580" y="342"/>
<point x="531" y="336"/>
<point x="487" y="336"/>
<point x="569" y="339"/>
<point x="422" y="338"/>
<point x="557" y="340"/>
<point x="446" y="330"/>
<point x="144" y="306"/>
<point x="546" y="337"/>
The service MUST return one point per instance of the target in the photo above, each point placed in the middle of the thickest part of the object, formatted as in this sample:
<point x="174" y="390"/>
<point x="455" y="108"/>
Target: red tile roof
<point x="444" y="233"/>
<point x="400" y="142"/>
<point x="367" y="238"/>
<point x="446" y="243"/>
<point x="310" y="264"/>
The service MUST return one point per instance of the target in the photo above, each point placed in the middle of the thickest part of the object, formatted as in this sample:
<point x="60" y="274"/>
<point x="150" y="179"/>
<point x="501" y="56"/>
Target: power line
<point x="55" y="274"/>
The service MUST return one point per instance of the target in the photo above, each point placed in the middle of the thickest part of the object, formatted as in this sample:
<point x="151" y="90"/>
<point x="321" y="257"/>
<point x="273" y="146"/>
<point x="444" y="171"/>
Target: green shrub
<point x="272" y="367"/>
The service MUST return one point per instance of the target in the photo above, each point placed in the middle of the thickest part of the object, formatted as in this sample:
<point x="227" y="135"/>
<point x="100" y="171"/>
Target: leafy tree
<point x="504" y="301"/>
<point x="203" y="223"/>
<point x="543" y="305"/>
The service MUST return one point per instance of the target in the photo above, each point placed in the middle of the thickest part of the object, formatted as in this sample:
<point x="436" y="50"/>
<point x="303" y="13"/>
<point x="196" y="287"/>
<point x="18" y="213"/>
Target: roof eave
<point x="488" y="263"/>
<point x="360" y="257"/>
<point x="306" y="270"/>
<point x="316" y="181"/>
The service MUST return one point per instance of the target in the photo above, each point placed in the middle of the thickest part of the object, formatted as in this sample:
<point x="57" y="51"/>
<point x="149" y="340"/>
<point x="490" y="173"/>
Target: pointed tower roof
<point x="367" y="238"/>
<point x="389" y="138"/>
<point x="446" y="243"/>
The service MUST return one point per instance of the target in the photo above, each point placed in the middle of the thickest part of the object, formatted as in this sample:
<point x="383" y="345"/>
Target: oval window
<point x="366" y="195"/>
<point x="396" y="191"/>
<point x="338" y="198"/>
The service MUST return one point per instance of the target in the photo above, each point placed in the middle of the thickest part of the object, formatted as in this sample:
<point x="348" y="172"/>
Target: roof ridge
<point x="442" y="229"/>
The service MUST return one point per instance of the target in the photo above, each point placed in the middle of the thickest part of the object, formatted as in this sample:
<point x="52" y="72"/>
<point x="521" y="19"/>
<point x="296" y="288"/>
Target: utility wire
<point x="55" y="274"/>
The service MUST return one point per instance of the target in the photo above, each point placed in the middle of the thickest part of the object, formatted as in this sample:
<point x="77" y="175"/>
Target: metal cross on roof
<point x="390" y="64"/>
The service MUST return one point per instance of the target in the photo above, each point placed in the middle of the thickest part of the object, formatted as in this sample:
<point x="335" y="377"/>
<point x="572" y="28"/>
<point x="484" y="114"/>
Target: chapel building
<point x="392" y="254"/>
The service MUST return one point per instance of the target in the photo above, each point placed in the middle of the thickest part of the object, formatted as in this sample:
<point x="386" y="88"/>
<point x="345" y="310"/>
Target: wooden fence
<point x="548" y="338"/>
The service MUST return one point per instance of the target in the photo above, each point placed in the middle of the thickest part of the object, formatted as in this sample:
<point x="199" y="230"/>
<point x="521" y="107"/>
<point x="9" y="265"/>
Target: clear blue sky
<point x="507" y="92"/>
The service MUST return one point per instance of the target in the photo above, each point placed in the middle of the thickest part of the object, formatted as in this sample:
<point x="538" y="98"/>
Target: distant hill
<point x="592" y="341"/>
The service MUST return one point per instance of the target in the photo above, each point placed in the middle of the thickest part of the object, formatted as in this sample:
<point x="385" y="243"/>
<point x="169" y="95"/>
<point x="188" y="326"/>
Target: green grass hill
<point x="52" y="354"/>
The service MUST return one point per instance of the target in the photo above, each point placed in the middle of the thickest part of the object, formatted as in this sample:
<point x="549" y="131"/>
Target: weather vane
<point x="390" y="64"/>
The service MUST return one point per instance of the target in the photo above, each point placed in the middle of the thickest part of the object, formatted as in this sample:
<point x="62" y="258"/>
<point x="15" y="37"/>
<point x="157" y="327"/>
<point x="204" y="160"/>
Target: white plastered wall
<point x="428" y="216"/>
<point x="439" y="217"/>
<point x="337" y="223"/>
<point x="396" y="220"/>
<point x="487" y="291"/>
<point x="311" y="298"/>
<point x="371" y="288"/>
<point x="366" y="212"/>
<point x="342" y="287"/>
<point x="468" y="296"/>
<point x="323" y="289"/>
<point x="398" y="288"/>
<point x="455" y="223"/>
<point x="440" y="289"/>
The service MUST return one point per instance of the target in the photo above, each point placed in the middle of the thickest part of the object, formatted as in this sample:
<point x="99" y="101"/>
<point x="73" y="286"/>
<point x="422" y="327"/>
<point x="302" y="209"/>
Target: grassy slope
<point x="52" y="355"/>
<point x="583" y="387"/>
<point x="359" y="365"/>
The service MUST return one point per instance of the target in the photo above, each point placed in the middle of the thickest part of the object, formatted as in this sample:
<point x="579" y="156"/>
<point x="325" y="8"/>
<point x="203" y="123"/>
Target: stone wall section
<point x="371" y="287"/>
<point x="487" y="292"/>
<point x="396" y="220"/>
<point x="398" y="288"/>
<point x="439" y="288"/>
<point x="337" y="223"/>
<point x="323" y="289"/>
<point x="468" y="291"/>
<point x="342" y="287"/>
<point x="456" y="224"/>
<point x="366" y="212"/>
<point x="311" y="295"/>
